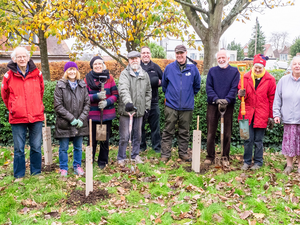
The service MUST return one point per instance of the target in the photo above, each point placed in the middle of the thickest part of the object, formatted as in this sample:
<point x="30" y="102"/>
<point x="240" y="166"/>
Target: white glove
<point x="101" y="95"/>
<point x="102" y="104"/>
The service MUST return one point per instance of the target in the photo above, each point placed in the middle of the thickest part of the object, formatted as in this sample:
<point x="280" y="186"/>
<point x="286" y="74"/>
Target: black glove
<point x="222" y="102"/>
<point x="242" y="92"/>
<point x="146" y="115"/>
<point x="154" y="81"/>
<point x="129" y="107"/>
<point x="270" y="123"/>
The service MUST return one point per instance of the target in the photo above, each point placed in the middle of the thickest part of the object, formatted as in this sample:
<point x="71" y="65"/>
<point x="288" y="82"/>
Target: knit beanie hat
<point x="69" y="65"/>
<point x="93" y="60"/>
<point x="260" y="59"/>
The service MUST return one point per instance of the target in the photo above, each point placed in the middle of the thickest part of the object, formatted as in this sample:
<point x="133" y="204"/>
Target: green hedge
<point x="272" y="139"/>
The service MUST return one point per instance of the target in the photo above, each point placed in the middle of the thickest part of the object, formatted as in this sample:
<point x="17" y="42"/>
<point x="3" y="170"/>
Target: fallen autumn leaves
<point x="156" y="193"/>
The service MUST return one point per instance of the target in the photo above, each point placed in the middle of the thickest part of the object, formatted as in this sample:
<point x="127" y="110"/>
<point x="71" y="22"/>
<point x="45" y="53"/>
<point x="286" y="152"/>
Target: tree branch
<point x="192" y="6"/>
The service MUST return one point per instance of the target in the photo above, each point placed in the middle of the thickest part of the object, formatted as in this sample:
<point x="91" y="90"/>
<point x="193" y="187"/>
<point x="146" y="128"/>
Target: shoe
<point x="288" y="170"/>
<point x="255" y="167"/>
<point x="164" y="159"/>
<point x="138" y="160"/>
<point x="157" y="151"/>
<point x="63" y="173"/>
<point x="78" y="171"/>
<point x="185" y="158"/>
<point x="245" y="166"/>
<point x="102" y="167"/>
<point x="207" y="162"/>
<point x="121" y="162"/>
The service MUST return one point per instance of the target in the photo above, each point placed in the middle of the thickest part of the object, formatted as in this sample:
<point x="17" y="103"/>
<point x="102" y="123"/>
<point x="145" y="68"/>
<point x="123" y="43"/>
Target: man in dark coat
<point x="155" y="75"/>
<point x="221" y="88"/>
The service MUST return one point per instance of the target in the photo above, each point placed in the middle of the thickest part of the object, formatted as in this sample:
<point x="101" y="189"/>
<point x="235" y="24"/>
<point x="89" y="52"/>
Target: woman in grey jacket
<point x="72" y="106"/>
<point x="286" y="108"/>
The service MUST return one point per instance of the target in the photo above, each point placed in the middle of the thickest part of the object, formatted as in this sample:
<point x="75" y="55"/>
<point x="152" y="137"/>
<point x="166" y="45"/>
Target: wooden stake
<point x="47" y="143"/>
<point x="196" y="152"/>
<point x="89" y="164"/>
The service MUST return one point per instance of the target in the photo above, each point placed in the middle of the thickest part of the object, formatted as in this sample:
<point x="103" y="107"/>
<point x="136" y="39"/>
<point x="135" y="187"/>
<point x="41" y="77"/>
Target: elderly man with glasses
<point x="22" y="92"/>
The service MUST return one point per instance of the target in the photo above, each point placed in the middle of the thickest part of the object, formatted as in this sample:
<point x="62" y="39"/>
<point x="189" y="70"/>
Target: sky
<point x="281" y="19"/>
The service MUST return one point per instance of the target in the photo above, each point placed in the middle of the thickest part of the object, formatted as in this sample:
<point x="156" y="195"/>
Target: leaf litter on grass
<point x="237" y="193"/>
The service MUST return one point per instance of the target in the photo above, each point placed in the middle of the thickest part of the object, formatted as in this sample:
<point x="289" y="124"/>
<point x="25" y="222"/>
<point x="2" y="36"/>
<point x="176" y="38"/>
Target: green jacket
<point x="136" y="90"/>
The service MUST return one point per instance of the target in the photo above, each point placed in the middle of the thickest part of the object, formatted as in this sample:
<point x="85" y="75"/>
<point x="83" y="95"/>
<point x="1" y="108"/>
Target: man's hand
<point x="74" y="122"/>
<point x="129" y="107"/>
<point x="102" y="104"/>
<point x="222" y="102"/>
<point x="80" y="123"/>
<point x="270" y="123"/>
<point x="242" y="92"/>
<point x="101" y="95"/>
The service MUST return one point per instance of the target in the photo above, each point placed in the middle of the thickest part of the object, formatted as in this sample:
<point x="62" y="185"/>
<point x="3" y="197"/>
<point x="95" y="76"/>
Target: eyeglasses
<point x="21" y="57"/>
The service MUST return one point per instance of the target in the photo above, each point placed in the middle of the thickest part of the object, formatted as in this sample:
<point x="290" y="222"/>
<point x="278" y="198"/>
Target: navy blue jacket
<point x="180" y="87"/>
<point x="222" y="84"/>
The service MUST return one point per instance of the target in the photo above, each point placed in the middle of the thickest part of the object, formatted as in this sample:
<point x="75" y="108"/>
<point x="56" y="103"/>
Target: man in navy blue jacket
<point x="180" y="83"/>
<point x="221" y="89"/>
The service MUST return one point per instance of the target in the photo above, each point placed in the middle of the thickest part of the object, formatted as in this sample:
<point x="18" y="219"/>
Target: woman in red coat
<point x="259" y="94"/>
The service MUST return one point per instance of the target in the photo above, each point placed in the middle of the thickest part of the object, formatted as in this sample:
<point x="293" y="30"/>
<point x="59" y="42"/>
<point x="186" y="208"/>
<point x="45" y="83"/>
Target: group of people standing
<point x="76" y="101"/>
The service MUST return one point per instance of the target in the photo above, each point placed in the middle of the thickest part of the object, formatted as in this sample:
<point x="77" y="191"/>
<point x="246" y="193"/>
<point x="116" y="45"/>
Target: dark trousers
<point x="212" y="118"/>
<point x="153" y="121"/>
<point x="104" y="145"/>
<point x="256" y="136"/>
<point x="172" y="117"/>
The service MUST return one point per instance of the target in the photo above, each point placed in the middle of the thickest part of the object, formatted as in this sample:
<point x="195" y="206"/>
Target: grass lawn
<point x="157" y="193"/>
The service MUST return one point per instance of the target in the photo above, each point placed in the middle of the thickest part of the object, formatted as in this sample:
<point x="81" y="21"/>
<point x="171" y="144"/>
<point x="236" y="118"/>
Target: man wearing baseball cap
<point x="259" y="94"/>
<point x="180" y="83"/>
<point x="134" y="95"/>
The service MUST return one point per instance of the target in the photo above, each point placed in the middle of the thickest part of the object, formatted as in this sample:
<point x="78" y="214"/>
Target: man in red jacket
<point x="22" y="92"/>
<point x="259" y="96"/>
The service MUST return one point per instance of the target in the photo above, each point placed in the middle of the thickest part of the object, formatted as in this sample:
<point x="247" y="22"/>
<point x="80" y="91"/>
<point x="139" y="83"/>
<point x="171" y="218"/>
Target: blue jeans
<point x="153" y="121"/>
<point x="256" y="138"/>
<point x="124" y="136"/>
<point x="63" y="152"/>
<point x="19" y="132"/>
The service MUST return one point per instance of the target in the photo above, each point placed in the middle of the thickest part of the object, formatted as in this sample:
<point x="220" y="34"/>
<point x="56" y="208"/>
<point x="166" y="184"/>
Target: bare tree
<point x="279" y="39"/>
<point x="211" y="18"/>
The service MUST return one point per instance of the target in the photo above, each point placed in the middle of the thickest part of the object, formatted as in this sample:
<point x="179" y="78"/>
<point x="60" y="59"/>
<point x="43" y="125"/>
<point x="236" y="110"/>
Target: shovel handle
<point x="45" y="120"/>
<point x="197" y="122"/>
<point x="242" y="70"/>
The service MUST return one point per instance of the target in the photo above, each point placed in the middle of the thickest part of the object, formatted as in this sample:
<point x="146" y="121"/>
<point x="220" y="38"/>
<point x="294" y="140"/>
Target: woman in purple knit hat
<point x="72" y="106"/>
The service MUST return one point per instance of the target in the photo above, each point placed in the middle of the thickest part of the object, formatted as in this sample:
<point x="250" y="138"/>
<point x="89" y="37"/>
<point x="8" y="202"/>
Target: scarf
<point x="73" y="85"/>
<point x="256" y="76"/>
<point x="93" y="77"/>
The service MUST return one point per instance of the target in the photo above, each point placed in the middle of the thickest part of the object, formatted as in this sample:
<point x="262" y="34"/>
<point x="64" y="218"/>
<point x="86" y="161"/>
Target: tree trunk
<point x="210" y="34"/>
<point x="211" y="47"/>
<point x="44" y="55"/>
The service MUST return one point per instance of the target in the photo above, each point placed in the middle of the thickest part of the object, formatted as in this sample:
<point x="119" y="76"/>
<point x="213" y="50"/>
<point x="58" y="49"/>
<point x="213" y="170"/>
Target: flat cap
<point x="180" y="48"/>
<point x="133" y="54"/>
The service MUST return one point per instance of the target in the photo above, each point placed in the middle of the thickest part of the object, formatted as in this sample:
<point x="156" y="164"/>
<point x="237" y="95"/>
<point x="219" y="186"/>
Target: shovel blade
<point x="101" y="132"/>
<point x="244" y="129"/>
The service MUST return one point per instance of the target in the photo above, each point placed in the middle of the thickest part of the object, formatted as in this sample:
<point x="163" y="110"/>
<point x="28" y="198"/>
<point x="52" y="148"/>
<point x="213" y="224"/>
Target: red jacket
<point x="259" y="102"/>
<point x="23" y="97"/>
